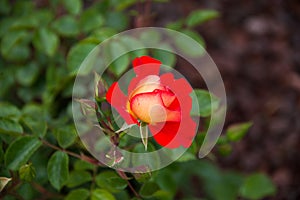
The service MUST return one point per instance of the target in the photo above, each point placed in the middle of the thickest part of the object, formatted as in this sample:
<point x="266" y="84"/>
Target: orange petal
<point x="110" y="92"/>
<point x="117" y="99"/>
<point x="148" y="84"/>
<point x="149" y="108"/>
<point x="164" y="133"/>
<point x="144" y="60"/>
<point x="143" y="67"/>
<point x="168" y="97"/>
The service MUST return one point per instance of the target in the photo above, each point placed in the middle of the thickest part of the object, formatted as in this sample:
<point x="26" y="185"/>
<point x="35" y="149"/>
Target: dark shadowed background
<point x="256" y="46"/>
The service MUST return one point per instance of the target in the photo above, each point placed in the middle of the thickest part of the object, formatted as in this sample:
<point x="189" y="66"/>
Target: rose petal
<point x="168" y="98"/>
<point x="184" y="134"/>
<point x="143" y="67"/>
<point x="144" y="60"/>
<point x="118" y="100"/>
<point x="110" y="92"/>
<point x="174" y="134"/>
<point x="148" y="84"/>
<point x="164" y="134"/>
<point x="149" y="108"/>
<point x="150" y="65"/>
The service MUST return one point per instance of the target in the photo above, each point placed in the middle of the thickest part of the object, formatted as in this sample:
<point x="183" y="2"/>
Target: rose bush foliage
<point x="41" y="156"/>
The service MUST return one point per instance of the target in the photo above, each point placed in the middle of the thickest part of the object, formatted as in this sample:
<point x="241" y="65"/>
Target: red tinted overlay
<point x="162" y="102"/>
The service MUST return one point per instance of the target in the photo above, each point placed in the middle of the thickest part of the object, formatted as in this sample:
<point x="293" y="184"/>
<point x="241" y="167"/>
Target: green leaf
<point x="148" y="189"/>
<point x="27" y="172"/>
<point x="207" y="103"/>
<point x="5" y="24"/>
<point x="77" y="54"/>
<point x="101" y="194"/>
<point x="123" y="195"/>
<point x="66" y="136"/>
<point x="27" y="191"/>
<point x="44" y="16"/>
<point x="117" y="20"/>
<point x="79" y="194"/>
<point x="90" y="20"/>
<point x="8" y="110"/>
<point x="1" y="153"/>
<point x="35" y="111"/>
<point x="22" y="8"/>
<point x="25" y="22"/>
<point x="39" y="161"/>
<point x="123" y="4"/>
<point x="166" y="181"/>
<point x="177" y="25"/>
<point x="200" y="16"/>
<point x="224" y="187"/>
<point x="14" y="45"/>
<point x="163" y="195"/>
<point x="77" y="178"/>
<point x="5" y="7"/>
<point x="167" y="58"/>
<point x="37" y="126"/>
<point x="225" y="149"/>
<point x="83" y="165"/>
<point x="194" y="35"/>
<point x="110" y="181"/>
<point x="27" y="74"/>
<point x="216" y="184"/>
<point x="142" y="174"/>
<point x="120" y="60"/>
<point x="102" y="34"/>
<point x="150" y="38"/>
<point x="237" y="131"/>
<point x="19" y="152"/>
<point x="73" y="6"/>
<point x="187" y="156"/>
<point x="46" y="41"/>
<point x="189" y="47"/>
<point x="133" y="43"/>
<point x="66" y="26"/>
<point x="7" y="81"/>
<point x="58" y="169"/>
<point x="19" y="53"/>
<point x="14" y="38"/>
<point x="3" y="182"/>
<point x="117" y="182"/>
<point x="257" y="186"/>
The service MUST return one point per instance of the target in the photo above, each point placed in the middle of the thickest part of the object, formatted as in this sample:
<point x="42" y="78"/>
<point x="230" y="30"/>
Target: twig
<point x="79" y="156"/>
<point x="44" y="191"/>
<point x="124" y="176"/>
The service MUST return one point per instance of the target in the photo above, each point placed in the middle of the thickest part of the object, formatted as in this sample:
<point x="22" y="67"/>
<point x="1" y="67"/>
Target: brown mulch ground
<point x="256" y="45"/>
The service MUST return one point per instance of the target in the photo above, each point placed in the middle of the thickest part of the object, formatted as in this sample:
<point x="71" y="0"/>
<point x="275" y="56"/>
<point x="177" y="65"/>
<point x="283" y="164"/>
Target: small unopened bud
<point x="100" y="87"/>
<point x="87" y="106"/>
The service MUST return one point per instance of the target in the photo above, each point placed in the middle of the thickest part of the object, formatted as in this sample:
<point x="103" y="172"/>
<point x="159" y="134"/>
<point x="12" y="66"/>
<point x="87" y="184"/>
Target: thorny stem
<point x="124" y="176"/>
<point x="102" y="123"/>
<point x="133" y="190"/>
<point x="115" y="141"/>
